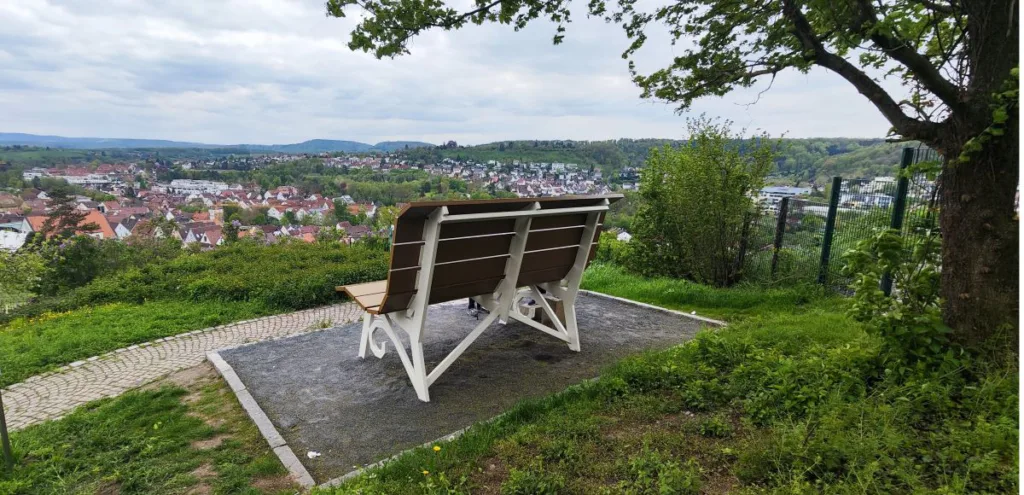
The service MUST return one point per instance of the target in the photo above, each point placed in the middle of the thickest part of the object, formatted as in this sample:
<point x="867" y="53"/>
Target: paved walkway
<point x="54" y="394"/>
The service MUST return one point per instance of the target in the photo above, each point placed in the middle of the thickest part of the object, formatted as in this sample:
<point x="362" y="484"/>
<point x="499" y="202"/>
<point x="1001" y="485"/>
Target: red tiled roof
<point x="94" y="217"/>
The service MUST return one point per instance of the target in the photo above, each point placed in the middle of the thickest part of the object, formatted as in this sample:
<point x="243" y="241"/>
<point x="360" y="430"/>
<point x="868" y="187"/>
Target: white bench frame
<point x="502" y="304"/>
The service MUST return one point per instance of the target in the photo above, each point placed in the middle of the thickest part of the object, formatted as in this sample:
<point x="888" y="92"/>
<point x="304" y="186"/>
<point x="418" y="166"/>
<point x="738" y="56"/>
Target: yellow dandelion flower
<point x="437" y="448"/>
<point x="425" y="472"/>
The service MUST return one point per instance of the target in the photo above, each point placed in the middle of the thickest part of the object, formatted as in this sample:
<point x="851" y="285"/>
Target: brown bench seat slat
<point x="553" y="274"/>
<point x="357" y="290"/>
<point x="396" y="302"/>
<point x="547" y="239"/>
<point x="559" y="221"/>
<point x="368" y="295"/>
<point x="472" y="229"/>
<point x="538" y="260"/>
<point x="471" y="248"/>
<point x="475" y="288"/>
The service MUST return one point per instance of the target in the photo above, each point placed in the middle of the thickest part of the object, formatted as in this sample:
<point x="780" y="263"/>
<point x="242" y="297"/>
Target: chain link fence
<point x="803" y="240"/>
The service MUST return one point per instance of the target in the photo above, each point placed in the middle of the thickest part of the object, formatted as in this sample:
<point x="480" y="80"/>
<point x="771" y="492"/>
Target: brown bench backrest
<point x="471" y="256"/>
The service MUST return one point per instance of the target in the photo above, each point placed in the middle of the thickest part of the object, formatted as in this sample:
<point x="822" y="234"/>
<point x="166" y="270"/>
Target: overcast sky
<point x="278" y="71"/>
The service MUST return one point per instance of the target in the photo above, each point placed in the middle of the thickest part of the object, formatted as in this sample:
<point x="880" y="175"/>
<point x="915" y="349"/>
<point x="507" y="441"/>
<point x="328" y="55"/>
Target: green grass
<point x="730" y="304"/>
<point x="285" y="276"/>
<point x="148" y="442"/>
<point x="29" y="346"/>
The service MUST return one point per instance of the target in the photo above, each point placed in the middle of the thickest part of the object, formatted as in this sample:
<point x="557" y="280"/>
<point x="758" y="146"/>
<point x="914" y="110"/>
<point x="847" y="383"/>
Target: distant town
<point x="127" y="198"/>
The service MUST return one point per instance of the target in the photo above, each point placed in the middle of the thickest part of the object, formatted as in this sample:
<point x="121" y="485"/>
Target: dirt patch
<point x="203" y="473"/>
<point x="210" y="443"/>
<point x="191" y="379"/>
<point x="493" y="472"/>
<point x="109" y="488"/>
<point x="200" y="489"/>
<point x="720" y="484"/>
<point x="274" y="484"/>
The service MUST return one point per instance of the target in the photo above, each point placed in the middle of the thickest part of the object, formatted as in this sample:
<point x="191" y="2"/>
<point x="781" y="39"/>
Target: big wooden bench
<point x="498" y="252"/>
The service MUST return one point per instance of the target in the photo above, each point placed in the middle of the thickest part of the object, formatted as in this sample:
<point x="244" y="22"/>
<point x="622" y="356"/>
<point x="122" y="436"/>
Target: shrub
<point x="696" y="203"/>
<point x="612" y="250"/>
<point x="909" y="320"/>
<point x="77" y="261"/>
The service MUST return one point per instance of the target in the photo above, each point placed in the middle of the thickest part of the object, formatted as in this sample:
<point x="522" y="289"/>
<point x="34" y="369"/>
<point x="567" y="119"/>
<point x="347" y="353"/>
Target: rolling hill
<point x="311" y="146"/>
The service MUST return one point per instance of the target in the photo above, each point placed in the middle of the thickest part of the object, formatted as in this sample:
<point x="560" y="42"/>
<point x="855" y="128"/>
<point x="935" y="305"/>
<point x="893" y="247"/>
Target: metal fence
<point x="803" y="240"/>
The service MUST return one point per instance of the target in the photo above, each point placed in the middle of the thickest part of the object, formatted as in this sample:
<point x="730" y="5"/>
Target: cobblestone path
<point x="54" y="394"/>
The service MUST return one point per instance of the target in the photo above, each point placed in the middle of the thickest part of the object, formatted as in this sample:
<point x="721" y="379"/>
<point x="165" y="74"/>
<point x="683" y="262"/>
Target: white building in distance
<point x="189" y="186"/>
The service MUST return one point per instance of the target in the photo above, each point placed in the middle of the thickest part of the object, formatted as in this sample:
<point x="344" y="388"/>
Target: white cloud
<point x="276" y="71"/>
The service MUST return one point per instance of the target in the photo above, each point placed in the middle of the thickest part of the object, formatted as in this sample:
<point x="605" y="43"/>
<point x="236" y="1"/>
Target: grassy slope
<point x="166" y="441"/>
<point x="32" y="346"/>
<point x="731" y="304"/>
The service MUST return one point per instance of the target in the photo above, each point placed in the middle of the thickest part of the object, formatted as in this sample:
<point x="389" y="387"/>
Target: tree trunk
<point x="979" y="225"/>
<point x="980" y="243"/>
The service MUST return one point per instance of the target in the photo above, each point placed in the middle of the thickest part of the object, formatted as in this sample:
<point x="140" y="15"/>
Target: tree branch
<point x="942" y="8"/>
<point x="901" y="51"/>
<point x="815" y="52"/>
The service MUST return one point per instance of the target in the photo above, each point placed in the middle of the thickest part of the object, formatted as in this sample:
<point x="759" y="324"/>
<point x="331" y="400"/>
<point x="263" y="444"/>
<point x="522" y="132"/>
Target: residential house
<point x="125" y="227"/>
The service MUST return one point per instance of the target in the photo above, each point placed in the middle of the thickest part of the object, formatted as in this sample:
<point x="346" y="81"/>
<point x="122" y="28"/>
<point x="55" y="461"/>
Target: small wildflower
<point x="437" y="448"/>
<point x="426" y="473"/>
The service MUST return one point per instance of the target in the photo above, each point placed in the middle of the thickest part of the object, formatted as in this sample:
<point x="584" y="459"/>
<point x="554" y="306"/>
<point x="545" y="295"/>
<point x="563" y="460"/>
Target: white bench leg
<point x="364" y="340"/>
<point x="418" y="373"/>
<point x="416" y="367"/>
<point x="571" y="330"/>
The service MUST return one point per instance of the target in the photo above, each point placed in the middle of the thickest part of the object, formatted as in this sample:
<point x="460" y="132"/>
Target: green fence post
<point x="899" y="207"/>
<point x="830" y="228"/>
<point x="780" y="231"/>
<point x="5" y="440"/>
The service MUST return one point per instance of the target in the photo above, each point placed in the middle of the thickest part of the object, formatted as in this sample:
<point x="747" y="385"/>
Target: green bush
<point x="77" y="261"/>
<point x="612" y="250"/>
<point x="695" y="205"/>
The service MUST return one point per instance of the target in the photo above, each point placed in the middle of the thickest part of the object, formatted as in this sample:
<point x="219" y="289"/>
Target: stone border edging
<point x="149" y="343"/>
<point x="267" y="430"/>
<point x="709" y="321"/>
